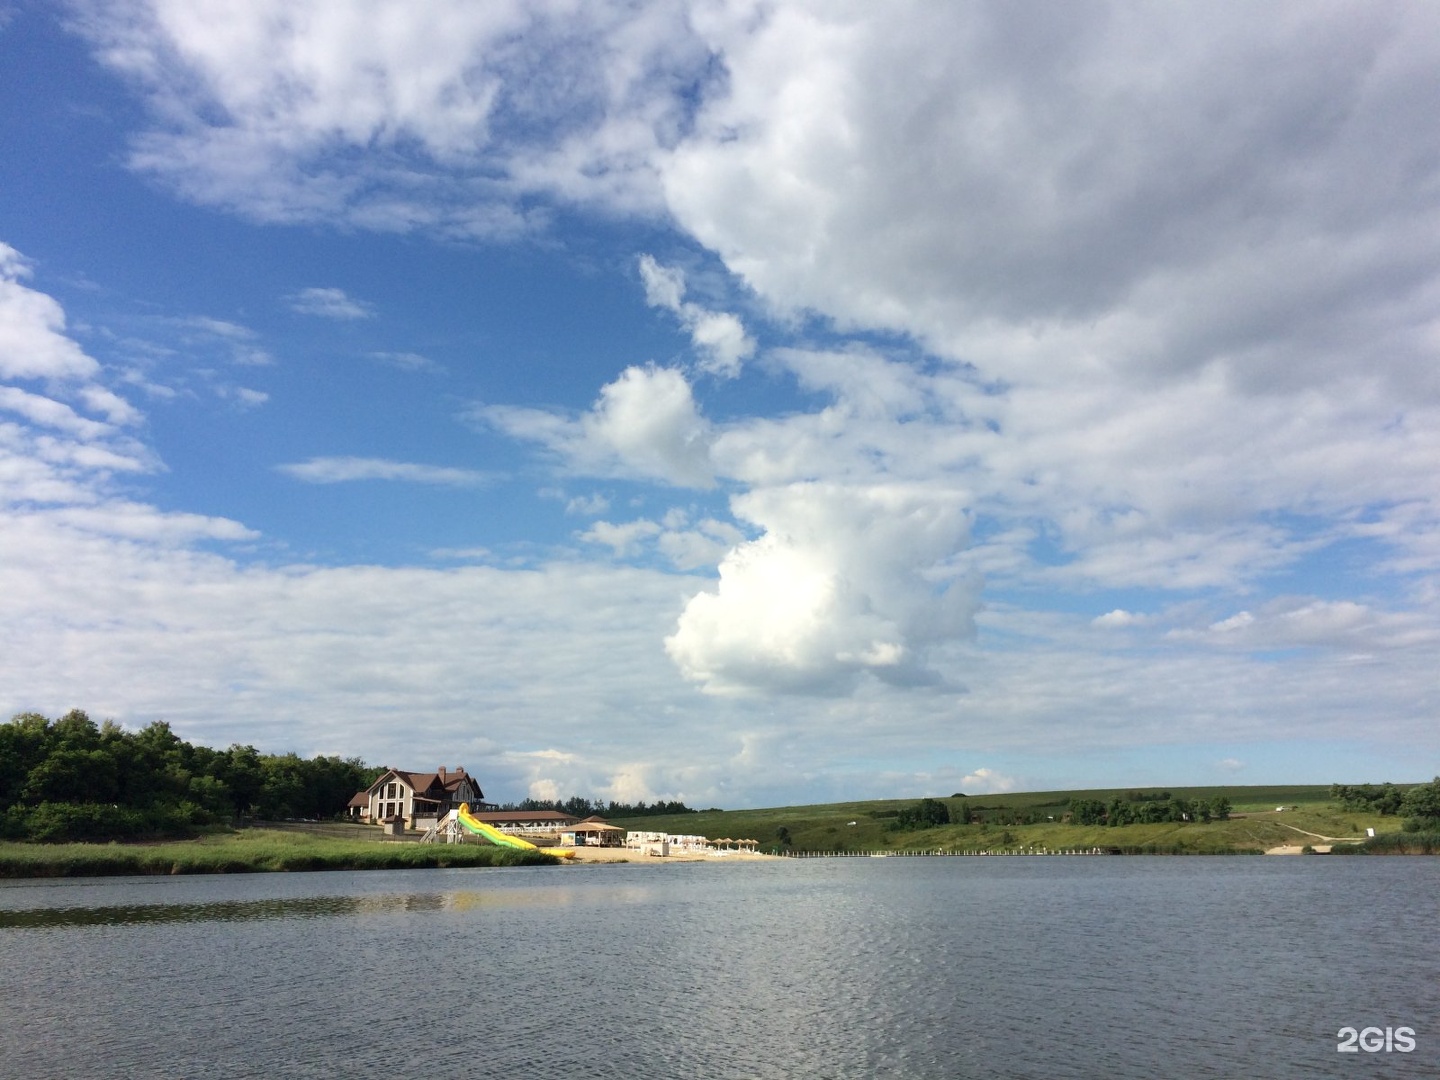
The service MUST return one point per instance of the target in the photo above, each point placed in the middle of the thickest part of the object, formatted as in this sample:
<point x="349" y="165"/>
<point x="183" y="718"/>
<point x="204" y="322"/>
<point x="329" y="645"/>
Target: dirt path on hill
<point x="1299" y="849"/>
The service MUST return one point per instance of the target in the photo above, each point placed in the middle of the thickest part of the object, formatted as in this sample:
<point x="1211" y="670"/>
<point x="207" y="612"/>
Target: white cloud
<point x="329" y="303"/>
<point x="719" y="335"/>
<point x="623" y="539"/>
<point x="587" y="505"/>
<point x="959" y="171"/>
<point x="1119" y="619"/>
<point x="645" y="424"/>
<point x="48" y="412"/>
<point x="33" y="344"/>
<point x="1192" y="302"/>
<point x="243" y="397"/>
<point x="137" y="521"/>
<point x="648" y="419"/>
<point x="1191" y="297"/>
<point x="339" y="470"/>
<point x="843" y="580"/>
<point x="703" y="546"/>
<point x="684" y="547"/>
<point x="1291" y="622"/>
<point x="221" y="328"/>
<point x="546" y="790"/>
<point x="295" y="111"/>
<point x="407" y="361"/>
<point x="238" y="343"/>
<point x="664" y="285"/>
<point x="111" y="405"/>
<point x="51" y="453"/>
<point x="985" y="781"/>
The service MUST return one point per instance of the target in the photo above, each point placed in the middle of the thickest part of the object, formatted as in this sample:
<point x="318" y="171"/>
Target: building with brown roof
<point x="595" y="832"/>
<point x="417" y="799"/>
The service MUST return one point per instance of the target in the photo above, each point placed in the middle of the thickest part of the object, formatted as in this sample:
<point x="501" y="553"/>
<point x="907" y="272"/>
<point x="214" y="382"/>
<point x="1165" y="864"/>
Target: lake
<point x="954" y="968"/>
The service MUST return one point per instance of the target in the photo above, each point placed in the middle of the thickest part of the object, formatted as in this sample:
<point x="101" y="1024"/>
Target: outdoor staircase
<point x="446" y="828"/>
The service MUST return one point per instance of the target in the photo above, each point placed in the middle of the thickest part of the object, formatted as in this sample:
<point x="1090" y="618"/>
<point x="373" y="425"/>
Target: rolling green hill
<point x="1255" y="825"/>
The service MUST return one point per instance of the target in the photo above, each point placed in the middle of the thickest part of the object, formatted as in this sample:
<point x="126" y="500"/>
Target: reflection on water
<point x="847" y="969"/>
<point x="306" y="907"/>
<point x="234" y="911"/>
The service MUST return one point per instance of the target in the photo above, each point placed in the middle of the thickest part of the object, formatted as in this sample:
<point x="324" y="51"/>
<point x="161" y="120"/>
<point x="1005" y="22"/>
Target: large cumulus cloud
<point x="843" y="580"/>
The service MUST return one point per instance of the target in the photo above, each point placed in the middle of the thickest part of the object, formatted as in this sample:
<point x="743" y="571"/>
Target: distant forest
<point x="70" y="779"/>
<point x="579" y="807"/>
<point x="1135" y="807"/>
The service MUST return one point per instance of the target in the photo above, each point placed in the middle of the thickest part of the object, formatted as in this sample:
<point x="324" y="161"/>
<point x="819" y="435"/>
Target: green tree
<point x="241" y="770"/>
<point x="75" y="731"/>
<point x="923" y="815"/>
<point x="24" y="744"/>
<point x="1087" y="812"/>
<point x="1421" y="806"/>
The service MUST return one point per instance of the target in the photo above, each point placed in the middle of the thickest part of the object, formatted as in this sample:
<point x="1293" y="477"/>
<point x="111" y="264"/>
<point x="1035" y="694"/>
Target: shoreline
<point x="612" y="855"/>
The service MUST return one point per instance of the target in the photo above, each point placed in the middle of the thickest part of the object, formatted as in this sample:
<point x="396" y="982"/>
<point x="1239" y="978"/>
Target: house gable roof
<point x="433" y="785"/>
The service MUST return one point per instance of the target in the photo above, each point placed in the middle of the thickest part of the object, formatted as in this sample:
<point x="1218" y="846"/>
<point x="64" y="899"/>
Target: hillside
<point x="1254" y="824"/>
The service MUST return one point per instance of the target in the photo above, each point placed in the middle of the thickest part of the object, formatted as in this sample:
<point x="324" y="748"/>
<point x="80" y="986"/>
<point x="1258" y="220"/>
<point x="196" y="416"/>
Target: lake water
<point x="946" y="968"/>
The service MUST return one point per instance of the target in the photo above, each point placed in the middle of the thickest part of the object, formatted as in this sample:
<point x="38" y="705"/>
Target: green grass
<point x="248" y="851"/>
<point x="822" y="827"/>
<point x="826" y="827"/>
<point x="1394" y="843"/>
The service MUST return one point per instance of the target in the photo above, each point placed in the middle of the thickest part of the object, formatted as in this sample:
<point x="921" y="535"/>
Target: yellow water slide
<point x="495" y="836"/>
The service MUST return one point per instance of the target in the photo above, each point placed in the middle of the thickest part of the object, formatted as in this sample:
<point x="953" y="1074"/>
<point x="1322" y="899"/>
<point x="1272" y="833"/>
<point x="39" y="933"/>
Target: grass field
<point x="1254" y="826"/>
<point x="867" y="826"/>
<point x="250" y="851"/>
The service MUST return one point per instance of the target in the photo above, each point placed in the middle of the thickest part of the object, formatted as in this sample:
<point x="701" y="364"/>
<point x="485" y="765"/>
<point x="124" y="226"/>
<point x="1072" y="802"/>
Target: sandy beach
<point x="621" y="855"/>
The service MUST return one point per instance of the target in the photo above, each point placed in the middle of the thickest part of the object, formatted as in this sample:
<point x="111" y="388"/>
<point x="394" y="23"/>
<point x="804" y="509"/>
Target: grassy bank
<point x="245" y="852"/>
<point x="1393" y="843"/>
<point x="868" y="826"/>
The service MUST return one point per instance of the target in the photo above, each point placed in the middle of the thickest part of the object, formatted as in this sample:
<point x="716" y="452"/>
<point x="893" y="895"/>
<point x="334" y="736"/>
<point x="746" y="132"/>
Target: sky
<point x="747" y="403"/>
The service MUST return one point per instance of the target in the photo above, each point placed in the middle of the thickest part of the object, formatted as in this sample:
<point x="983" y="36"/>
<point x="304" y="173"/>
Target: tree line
<point x="1147" y="810"/>
<point x="579" y="807"/>
<point x="1419" y="805"/>
<point x="69" y="779"/>
<point x="1133" y="808"/>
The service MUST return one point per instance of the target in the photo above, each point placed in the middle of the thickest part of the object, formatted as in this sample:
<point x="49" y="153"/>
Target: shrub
<point x="923" y="815"/>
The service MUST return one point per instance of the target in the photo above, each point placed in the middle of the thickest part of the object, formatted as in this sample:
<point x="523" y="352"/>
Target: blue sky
<point x="739" y="402"/>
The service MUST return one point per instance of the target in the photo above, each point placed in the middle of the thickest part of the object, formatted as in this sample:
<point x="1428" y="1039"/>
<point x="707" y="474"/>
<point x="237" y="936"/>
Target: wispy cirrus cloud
<point x="329" y="303"/>
<point x="239" y="344"/>
<point x="407" y="361"/>
<point x="341" y="470"/>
